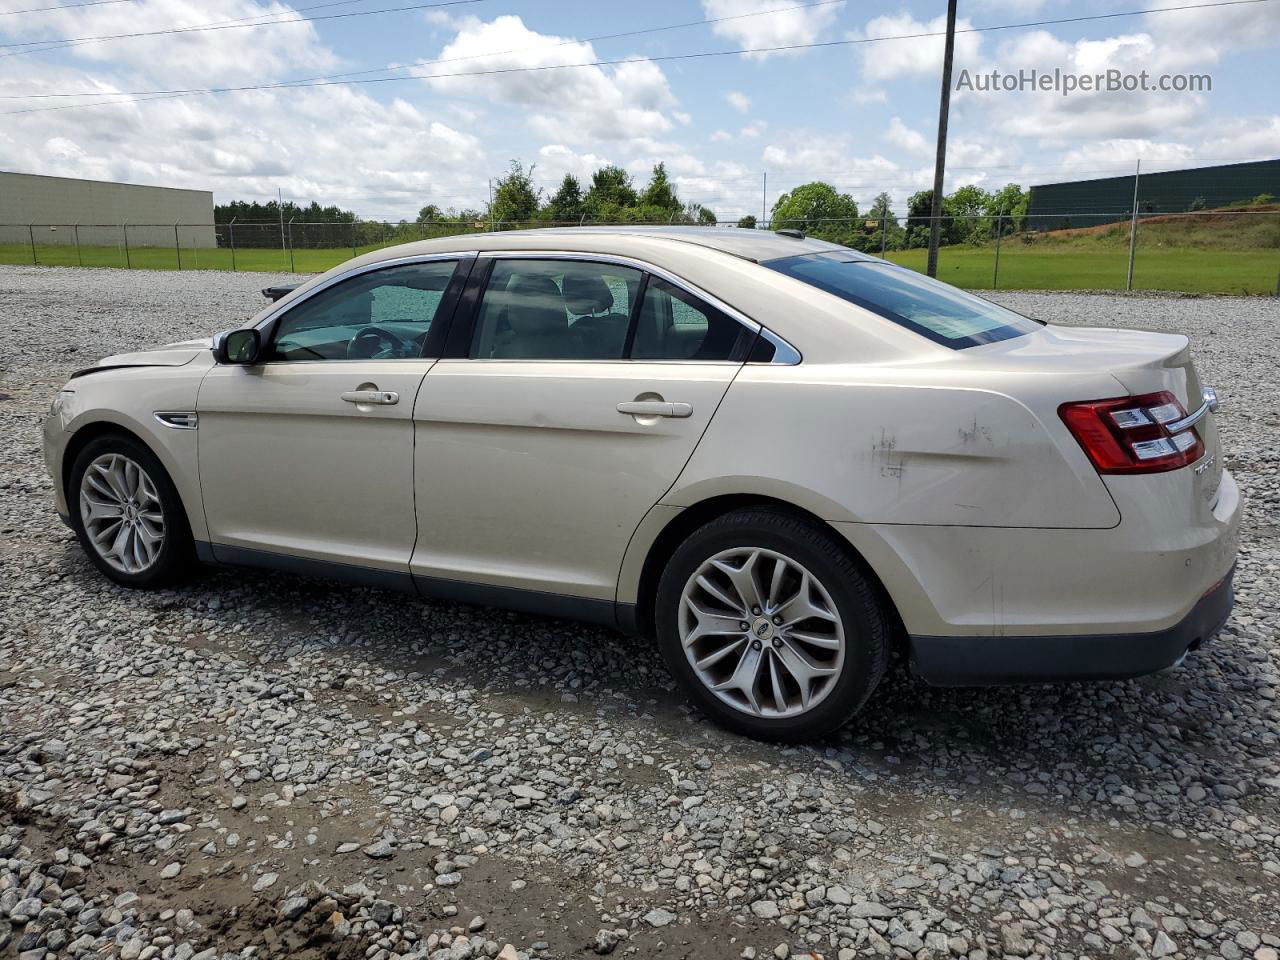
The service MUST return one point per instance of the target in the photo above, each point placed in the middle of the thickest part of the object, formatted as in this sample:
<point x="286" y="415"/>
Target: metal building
<point x="1084" y="203"/>
<point x="56" y="209"/>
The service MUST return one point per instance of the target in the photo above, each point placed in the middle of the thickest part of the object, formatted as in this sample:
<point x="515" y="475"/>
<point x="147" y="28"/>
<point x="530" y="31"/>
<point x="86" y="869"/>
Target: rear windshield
<point x="936" y="310"/>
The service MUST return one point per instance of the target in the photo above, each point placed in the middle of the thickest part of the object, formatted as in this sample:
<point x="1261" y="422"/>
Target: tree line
<point x="969" y="214"/>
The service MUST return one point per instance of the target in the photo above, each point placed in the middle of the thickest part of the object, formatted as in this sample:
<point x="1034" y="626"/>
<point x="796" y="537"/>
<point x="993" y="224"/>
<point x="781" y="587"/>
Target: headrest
<point x="535" y="306"/>
<point x="587" y="293"/>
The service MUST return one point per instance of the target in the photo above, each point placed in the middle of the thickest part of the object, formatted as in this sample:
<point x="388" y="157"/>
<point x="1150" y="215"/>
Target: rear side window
<point x="933" y="309"/>
<point x="676" y="326"/>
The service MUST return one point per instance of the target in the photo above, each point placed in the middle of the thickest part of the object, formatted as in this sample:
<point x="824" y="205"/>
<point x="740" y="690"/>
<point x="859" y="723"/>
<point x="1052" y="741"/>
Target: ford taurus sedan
<point x="778" y="458"/>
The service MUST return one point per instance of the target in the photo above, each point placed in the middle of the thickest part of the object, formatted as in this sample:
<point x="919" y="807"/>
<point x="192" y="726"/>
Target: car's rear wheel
<point x="770" y="625"/>
<point x="127" y="513"/>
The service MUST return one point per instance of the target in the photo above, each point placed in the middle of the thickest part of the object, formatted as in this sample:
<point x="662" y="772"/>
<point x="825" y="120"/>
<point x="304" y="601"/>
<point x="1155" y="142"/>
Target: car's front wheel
<point x="770" y="626"/>
<point x="127" y="513"/>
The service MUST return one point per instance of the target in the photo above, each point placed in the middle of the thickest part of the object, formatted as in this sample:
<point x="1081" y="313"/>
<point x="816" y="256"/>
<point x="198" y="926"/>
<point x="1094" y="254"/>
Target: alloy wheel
<point x="121" y="513"/>
<point x="761" y="632"/>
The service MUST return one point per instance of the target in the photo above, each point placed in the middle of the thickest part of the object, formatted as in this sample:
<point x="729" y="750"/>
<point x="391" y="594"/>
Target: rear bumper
<point x="986" y="661"/>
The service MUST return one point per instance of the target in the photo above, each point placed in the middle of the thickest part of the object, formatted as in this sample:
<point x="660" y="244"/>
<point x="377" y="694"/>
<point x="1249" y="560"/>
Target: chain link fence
<point x="1210" y="251"/>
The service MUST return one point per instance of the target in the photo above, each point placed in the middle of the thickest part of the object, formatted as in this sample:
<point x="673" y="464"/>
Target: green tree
<point x="969" y="206"/>
<point x="747" y="223"/>
<point x="820" y="211"/>
<point x="429" y="213"/>
<point x="514" y="198"/>
<point x="1010" y="203"/>
<point x="880" y="219"/>
<point x="610" y="193"/>
<point x="566" y="203"/>
<point x="706" y="216"/>
<point x="661" y="192"/>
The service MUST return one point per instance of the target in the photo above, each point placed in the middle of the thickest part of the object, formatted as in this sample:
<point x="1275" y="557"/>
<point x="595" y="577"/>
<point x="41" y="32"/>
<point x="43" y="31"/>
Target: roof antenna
<point x="790" y="232"/>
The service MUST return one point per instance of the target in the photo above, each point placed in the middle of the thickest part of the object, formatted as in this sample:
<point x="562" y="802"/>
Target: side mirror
<point x="238" y="346"/>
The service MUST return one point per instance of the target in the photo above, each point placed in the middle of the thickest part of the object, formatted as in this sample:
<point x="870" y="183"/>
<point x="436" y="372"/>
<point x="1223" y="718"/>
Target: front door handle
<point x="383" y="397"/>
<point x="656" y="408"/>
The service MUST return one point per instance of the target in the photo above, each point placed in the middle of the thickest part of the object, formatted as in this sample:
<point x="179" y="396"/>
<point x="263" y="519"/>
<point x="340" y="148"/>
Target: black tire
<point x="863" y="618"/>
<point x="176" y="557"/>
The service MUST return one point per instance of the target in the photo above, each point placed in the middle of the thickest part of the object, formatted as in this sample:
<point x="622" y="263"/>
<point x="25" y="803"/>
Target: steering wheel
<point x="376" y="343"/>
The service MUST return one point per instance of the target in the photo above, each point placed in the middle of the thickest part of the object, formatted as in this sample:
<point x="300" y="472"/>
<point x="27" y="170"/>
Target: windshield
<point x="936" y="310"/>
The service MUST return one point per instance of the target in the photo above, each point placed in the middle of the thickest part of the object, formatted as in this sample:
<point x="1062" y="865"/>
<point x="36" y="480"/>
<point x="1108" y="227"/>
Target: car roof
<point x="757" y="246"/>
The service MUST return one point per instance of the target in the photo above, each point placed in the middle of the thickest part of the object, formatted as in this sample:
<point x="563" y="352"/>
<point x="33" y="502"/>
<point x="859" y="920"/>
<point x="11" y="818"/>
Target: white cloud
<point x="210" y="57"/>
<point x="769" y="23"/>
<point x="739" y="101"/>
<point x="579" y="105"/>
<point x="913" y="141"/>
<point x="383" y="159"/>
<point x="921" y="55"/>
<point x="721" y="136"/>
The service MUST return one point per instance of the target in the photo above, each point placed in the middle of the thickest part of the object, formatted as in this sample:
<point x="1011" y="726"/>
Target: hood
<point x="167" y="355"/>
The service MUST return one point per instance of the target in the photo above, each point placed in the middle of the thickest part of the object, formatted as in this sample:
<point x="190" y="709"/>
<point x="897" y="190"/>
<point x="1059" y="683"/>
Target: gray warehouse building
<point x="55" y="209"/>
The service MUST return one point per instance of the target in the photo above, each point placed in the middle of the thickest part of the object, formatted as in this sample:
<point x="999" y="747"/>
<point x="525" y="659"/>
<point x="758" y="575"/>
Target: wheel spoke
<point x="775" y="582"/>
<point x="723" y="596"/>
<point x="827" y="641"/>
<point x="744" y="677"/>
<point x="743" y="578"/>
<point x="803" y="670"/>
<point x="801" y="607"/>
<point x="710" y="623"/>
<point x="775" y="681"/>
<point x="711" y="659"/>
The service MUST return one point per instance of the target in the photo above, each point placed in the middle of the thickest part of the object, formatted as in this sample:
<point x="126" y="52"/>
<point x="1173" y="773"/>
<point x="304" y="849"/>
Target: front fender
<point x="128" y="398"/>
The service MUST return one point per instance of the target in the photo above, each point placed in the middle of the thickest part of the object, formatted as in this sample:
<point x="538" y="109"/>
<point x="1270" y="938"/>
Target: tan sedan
<point x="777" y="457"/>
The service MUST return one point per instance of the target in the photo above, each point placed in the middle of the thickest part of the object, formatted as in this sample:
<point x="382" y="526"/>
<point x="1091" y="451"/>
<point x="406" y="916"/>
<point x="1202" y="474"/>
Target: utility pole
<point x="284" y="250"/>
<point x="944" y="107"/>
<point x="1133" y="224"/>
<point x="764" y="201"/>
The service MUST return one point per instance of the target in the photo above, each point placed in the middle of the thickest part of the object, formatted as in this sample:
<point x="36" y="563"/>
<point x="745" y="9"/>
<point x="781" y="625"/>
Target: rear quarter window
<point x="933" y="309"/>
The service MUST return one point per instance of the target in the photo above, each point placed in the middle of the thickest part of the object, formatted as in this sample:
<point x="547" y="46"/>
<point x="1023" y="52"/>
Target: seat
<point x="602" y="332"/>
<point x="537" y="324"/>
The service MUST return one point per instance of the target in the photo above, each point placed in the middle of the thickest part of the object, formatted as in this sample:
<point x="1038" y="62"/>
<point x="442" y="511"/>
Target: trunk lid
<point x="1143" y="362"/>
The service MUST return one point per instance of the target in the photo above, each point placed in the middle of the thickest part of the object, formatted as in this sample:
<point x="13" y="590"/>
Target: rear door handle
<point x="383" y="397"/>
<point x="656" y="408"/>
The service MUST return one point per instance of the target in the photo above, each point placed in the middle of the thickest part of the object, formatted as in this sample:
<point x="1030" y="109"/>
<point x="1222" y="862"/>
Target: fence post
<point x="177" y="247"/>
<point x="290" y="234"/>
<point x="1133" y="226"/>
<point x="231" y="231"/>
<point x="884" y="233"/>
<point x="31" y="236"/>
<point x="76" y="230"/>
<point x="995" y="272"/>
<point x="128" y="263"/>
<point x="353" y="235"/>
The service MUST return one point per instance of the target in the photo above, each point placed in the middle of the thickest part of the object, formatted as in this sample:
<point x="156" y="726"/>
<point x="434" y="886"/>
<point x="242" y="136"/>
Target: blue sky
<point x="862" y="116"/>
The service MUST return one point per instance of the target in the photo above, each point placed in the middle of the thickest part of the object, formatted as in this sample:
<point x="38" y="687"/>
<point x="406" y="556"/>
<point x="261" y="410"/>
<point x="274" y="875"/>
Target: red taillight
<point x="1131" y="434"/>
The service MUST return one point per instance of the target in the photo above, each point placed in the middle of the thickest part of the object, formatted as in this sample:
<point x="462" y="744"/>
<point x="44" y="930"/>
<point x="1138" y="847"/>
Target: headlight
<point x="55" y="408"/>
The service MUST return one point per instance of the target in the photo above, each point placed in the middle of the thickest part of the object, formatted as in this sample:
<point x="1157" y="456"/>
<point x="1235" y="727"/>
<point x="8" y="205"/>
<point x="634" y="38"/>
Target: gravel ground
<point x="261" y="765"/>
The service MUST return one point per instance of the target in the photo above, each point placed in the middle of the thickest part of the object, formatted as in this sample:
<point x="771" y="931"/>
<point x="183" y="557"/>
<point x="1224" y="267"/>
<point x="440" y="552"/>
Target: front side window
<point x="933" y="309"/>
<point x="381" y="315"/>
<point x="555" y="310"/>
<point x="673" y="325"/>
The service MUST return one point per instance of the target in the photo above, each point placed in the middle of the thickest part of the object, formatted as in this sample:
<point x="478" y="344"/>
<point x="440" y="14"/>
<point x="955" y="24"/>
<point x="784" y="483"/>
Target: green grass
<point x="1092" y="268"/>
<point x="1094" y="263"/>
<point x="249" y="260"/>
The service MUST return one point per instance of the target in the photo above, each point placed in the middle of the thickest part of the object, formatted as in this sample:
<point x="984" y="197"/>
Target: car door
<point x="309" y="453"/>
<point x="575" y="394"/>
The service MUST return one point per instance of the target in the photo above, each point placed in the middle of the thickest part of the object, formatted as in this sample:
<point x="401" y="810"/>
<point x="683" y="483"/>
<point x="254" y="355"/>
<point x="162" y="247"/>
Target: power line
<point x="700" y="55"/>
<point x="58" y="43"/>
<point x="65" y="6"/>
<point x="474" y="56"/>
